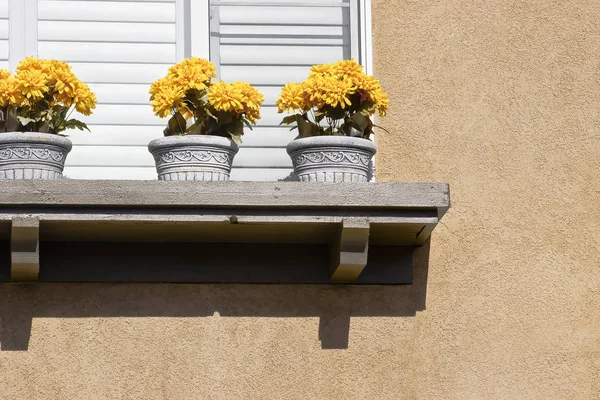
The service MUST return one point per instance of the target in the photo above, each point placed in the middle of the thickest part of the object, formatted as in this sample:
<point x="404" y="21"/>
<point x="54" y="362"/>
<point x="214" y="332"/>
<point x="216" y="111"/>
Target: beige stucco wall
<point x="499" y="98"/>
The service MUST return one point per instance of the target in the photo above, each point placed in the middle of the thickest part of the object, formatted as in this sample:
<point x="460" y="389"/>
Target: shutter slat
<point x="149" y="173"/>
<point x="105" y="32"/>
<point x="280" y="55"/>
<point x="111" y="11"/>
<point x="4" y="26"/>
<point x="108" y="52"/>
<point x="3" y="49"/>
<point x="119" y="73"/>
<point x="254" y="30"/>
<point x="259" y="15"/>
<point x="122" y="93"/>
<point x="140" y="157"/>
<point x="110" y="114"/>
<point x="265" y="75"/>
<point x="141" y="135"/>
<point x="113" y="173"/>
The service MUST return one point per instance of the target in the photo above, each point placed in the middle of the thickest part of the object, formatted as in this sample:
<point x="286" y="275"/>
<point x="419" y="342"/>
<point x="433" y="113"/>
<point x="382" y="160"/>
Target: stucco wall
<point x="500" y="99"/>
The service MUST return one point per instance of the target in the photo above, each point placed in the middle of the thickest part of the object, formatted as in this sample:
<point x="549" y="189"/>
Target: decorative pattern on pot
<point x="30" y="155"/>
<point x="193" y="157"/>
<point x="332" y="158"/>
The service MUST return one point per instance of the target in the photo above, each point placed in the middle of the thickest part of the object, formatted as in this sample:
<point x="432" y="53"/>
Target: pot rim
<point x="200" y="140"/>
<point x="331" y="141"/>
<point x="15" y="138"/>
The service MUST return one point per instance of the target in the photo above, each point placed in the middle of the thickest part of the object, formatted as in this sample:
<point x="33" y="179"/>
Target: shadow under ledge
<point x="333" y="304"/>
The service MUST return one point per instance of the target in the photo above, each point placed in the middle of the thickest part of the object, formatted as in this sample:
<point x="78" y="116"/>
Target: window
<point x="120" y="46"/>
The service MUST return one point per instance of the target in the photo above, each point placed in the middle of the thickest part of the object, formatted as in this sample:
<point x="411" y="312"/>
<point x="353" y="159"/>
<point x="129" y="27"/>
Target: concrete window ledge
<point x="243" y="232"/>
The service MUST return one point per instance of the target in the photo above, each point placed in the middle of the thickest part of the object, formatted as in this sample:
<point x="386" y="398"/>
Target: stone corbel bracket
<point x="24" y="247"/>
<point x="350" y="250"/>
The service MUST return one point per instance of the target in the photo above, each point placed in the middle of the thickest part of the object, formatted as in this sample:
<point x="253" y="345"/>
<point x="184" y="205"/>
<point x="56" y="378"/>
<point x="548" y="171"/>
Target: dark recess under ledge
<point x="245" y="232"/>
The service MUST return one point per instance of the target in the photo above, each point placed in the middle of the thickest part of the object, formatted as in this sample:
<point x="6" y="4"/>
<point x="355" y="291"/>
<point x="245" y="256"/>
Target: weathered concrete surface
<point x="499" y="98"/>
<point x="101" y="193"/>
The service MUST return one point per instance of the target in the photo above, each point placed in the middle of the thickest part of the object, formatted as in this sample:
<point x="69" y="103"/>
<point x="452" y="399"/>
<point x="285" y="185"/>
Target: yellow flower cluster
<point x="334" y="85"/>
<point x="167" y="94"/>
<point x="7" y="89"/>
<point x="47" y="80"/>
<point x="165" y="97"/>
<point x="238" y="97"/>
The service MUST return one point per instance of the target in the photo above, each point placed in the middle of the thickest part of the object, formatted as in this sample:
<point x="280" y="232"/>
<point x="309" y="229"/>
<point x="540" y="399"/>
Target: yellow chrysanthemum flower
<point x="292" y="98"/>
<point x="252" y="100"/>
<point x="4" y="74"/>
<point x="29" y="64"/>
<point x="166" y="97"/>
<point x="347" y="69"/>
<point x="50" y="66"/>
<point x="238" y="97"/>
<point x="192" y="73"/>
<point x="226" y="97"/>
<point x="9" y="94"/>
<point x="65" y="84"/>
<point x="382" y="103"/>
<point x="328" y="90"/>
<point x="84" y="99"/>
<point x="336" y="92"/>
<point x="32" y="84"/>
<point x="320" y="69"/>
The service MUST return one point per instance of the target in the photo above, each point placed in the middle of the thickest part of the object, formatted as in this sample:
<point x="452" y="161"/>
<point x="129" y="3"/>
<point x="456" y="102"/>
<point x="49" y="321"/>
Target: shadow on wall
<point x="333" y="304"/>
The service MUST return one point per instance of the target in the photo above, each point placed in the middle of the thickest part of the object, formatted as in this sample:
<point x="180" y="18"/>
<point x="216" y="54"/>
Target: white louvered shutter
<point x="4" y="34"/>
<point x="118" y="47"/>
<point x="269" y="43"/>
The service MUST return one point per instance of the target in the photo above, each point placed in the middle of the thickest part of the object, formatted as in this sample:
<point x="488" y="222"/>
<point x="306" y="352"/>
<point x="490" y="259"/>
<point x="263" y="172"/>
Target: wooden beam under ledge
<point x="24" y="248"/>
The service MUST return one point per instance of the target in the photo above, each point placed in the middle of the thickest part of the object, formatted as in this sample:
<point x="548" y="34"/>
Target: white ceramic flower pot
<point x="32" y="155"/>
<point x="332" y="158"/>
<point x="193" y="157"/>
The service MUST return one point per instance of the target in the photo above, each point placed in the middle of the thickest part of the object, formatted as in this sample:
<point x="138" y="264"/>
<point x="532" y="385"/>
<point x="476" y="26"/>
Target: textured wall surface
<point x="500" y="99"/>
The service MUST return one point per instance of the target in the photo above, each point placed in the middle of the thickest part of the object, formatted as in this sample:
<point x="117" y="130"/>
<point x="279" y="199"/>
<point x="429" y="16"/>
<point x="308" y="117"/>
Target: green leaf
<point x="335" y="112"/>
<point x="360" y="121"/>
<point x="12" y="123"/>
<point x="224" y="117"/>
<point x="74" y="124"/>
<point x="210" y="114"/>
<point x="236" y="128"/>
<point x="197" y="127"/>
<point x="176" y="125"/>
<point x="215" y="129"/>
<point x="45" y="128"/>
<point x="237" y="139"/>
<point x="247" y="123"/>
<point x="290" y="119"/>
<point x="306" y="128"/>
<point x="24" y="120"/>
<point x="382" y="128"/>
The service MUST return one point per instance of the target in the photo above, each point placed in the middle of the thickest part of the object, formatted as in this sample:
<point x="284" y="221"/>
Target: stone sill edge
<point x="232" y="194"/>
